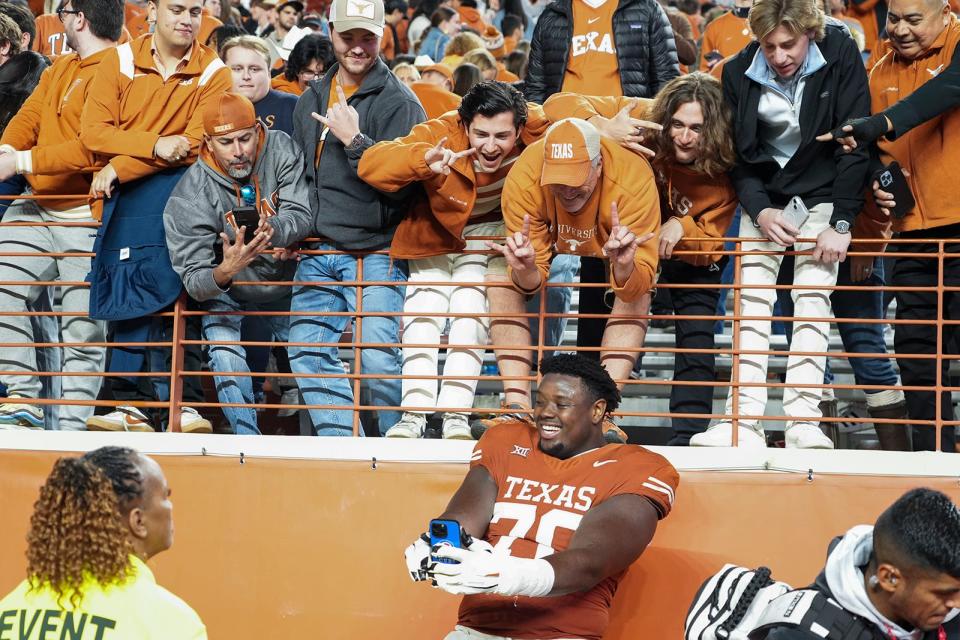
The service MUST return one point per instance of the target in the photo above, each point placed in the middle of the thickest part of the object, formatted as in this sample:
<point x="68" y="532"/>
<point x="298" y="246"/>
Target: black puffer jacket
<point x="646" y="51"/>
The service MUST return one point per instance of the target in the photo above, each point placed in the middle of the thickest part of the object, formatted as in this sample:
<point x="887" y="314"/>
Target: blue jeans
<point x="857" y="338"/>
<point x="323" y="328"/>
<point x="233" y="358"/>
<point x="563" y="268"/>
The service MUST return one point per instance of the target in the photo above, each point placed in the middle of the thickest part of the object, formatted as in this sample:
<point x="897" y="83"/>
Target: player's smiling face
<point x="567" y="417"/>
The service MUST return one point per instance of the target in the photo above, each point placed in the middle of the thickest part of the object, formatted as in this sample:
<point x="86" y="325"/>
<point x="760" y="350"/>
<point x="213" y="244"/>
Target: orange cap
<point x="442" y="69"/>
<point x="569" y="150"/>
<point x="227" y="113"/>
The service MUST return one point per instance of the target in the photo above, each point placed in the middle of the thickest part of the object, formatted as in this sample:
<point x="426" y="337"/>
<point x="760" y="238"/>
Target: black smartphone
<point x="248" y="217"/>
<point x="448" y="533"/>
<point x="714" y="56"/>
<point x="892" y="180"/>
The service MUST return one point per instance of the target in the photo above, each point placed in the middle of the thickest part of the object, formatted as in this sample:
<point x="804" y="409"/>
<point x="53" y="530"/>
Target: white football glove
<point x="417" y="557"/>
<point x="481" y="570"/>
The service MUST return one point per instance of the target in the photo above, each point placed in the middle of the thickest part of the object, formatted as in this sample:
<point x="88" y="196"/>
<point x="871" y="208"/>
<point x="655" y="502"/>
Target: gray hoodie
<point x="842" y="579"/>
<point x="194" y="218"/>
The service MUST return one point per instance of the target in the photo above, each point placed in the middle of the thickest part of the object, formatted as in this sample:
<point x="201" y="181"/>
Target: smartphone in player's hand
<point x="892" y="180"/>
<point x="796" y="213"/>
<point x="247" y="217"/>
<point x="448" y="533"/>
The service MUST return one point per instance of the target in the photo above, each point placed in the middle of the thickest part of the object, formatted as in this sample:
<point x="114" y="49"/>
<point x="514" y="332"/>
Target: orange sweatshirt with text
<point x="48" y="126"/>
<point x="626" y="179"/>
<point x="131" y="106"/>
<point x="393" y="164"/>
<point x="51" y="39"/>
<point x="928" y="151"/>
<point x="704" y="205"/>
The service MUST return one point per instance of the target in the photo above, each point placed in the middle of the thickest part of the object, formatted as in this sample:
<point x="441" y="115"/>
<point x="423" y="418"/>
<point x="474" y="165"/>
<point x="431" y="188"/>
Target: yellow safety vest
<point x="138" y="609"/>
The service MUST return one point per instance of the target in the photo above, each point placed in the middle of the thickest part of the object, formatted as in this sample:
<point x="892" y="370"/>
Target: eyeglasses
<point x="307" y="75"/>
<point x="62" y="11"/>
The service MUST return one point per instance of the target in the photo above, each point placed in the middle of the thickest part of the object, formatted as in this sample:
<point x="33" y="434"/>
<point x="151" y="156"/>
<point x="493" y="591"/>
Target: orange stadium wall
<point x="306" y="548"/>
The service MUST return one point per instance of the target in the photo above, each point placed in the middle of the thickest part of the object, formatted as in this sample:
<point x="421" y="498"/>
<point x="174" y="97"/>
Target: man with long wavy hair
<point x="98" y="519"/>
<point x="688" y="127"/>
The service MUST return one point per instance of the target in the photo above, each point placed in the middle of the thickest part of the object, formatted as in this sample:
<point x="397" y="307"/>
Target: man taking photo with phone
<point x="245" y="194"/>
<point x="800" y="77"/>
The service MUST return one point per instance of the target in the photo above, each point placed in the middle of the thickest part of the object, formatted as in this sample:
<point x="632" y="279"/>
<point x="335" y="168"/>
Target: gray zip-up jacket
<point x="349" y="212"/>
<point x="194" y="218"/>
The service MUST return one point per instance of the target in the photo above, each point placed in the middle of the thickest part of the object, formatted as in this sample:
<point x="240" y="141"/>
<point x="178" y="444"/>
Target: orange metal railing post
<point x="176" y="363"/>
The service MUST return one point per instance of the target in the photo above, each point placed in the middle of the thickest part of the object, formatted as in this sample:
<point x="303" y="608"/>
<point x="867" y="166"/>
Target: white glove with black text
<point x="417" y="557"/>
<point x="481" y="570"/>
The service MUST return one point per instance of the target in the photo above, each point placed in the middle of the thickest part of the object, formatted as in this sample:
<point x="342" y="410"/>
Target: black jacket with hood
<point x="350" y="213"/>
<point x="818" y="172"/>
<point x="646" y="49"/>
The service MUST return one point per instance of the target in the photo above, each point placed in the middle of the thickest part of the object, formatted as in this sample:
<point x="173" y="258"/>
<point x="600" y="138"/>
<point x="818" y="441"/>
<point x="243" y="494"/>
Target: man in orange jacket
<point x="697" y="203"/>
<point x="923" y="37"/>
<point x="576" y="192"/>
<point x="40" y="142"/>
<point x="145" y="112"/>
<point x="726" y="35"/>
<point x="462" y="159"/>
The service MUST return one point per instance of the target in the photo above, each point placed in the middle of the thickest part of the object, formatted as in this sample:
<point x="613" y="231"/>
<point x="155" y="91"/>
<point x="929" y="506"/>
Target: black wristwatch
<point x="355" y="142"/>
<point x="841" y="226"/>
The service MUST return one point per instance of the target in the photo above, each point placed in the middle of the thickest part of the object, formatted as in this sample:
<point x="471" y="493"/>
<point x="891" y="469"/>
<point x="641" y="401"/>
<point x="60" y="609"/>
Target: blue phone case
<point x="445" y="532"/>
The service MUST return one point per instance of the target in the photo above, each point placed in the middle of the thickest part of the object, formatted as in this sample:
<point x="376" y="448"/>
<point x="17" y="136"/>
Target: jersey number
<point x="525" y="516"/>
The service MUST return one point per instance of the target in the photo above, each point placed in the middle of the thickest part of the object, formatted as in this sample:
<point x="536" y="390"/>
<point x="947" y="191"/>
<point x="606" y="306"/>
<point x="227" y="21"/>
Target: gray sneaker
<point x="411" y="425"/>
<point x="456" y="427"/>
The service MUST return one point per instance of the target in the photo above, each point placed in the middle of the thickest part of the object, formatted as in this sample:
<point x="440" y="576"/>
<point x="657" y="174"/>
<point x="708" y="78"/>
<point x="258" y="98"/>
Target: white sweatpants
<point x="810" y="301"/>
<point x="467" y="296"/>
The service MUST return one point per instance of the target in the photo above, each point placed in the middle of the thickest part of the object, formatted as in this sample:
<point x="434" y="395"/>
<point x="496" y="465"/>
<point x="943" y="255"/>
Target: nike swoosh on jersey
<point x="592" y="20"/>
<point x="600" y="463"/>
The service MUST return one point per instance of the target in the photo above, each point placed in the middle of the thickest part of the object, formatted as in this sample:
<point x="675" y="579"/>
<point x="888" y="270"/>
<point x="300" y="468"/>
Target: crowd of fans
<point x="229" y="149"/>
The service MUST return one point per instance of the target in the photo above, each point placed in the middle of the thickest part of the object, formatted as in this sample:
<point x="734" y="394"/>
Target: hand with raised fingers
<point x="439" y="158"/>
<point x="342" y="119"/>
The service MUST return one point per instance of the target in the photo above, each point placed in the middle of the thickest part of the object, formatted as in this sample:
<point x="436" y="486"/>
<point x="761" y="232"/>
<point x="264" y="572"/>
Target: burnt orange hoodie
<point x="47" y="127"/>
<point x="436" y="229"/>
<point x="703" y="205"/>
<point x="927" y="151"/>
<point x="435" y="100"/>
<point x="626" y="180"/>
<point x="131" y="106"/>
<point x="728" y="34"/>
<point x="280" y="83"/>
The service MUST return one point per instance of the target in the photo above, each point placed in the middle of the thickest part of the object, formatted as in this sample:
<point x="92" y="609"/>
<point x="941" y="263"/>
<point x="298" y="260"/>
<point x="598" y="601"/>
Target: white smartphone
<point x="796" y="213"/>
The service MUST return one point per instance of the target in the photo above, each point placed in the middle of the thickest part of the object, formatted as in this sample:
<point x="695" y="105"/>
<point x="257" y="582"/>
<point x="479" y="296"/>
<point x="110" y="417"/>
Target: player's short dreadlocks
<point x="593" y="375"/>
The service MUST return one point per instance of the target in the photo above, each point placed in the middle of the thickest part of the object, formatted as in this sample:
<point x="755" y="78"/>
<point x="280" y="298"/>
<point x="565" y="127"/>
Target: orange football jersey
<point x="540" y="503"/>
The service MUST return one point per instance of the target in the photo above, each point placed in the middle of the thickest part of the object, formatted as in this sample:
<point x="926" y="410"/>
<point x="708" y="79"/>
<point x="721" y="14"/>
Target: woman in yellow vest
<point x="98" y="519"/>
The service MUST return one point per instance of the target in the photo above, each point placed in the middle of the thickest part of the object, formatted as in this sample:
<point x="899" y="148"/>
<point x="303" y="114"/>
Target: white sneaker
<point x="192" y="422"/>
<point x="411" y="425"/>
<point x="17" y="417"/>
<point x="123" y="419"/>
<point x="290" y="396"/>
<point x="804" y="435"/>
<point x="456" y="427"/>
<point x="721" y="435"/>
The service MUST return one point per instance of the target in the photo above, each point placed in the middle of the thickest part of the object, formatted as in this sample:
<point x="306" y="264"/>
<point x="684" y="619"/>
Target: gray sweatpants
<point x="76" y="331"/>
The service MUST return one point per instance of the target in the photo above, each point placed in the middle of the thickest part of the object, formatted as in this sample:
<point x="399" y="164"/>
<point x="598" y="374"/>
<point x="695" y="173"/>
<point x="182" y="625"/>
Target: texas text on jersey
<point x="540" y="502"/>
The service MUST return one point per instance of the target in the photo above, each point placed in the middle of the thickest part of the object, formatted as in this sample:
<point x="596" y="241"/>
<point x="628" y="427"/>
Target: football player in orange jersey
<point x="559" y="515"/>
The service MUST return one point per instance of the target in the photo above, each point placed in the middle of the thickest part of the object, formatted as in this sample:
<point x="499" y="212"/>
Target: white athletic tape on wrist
<point x="24" y="160"/>
<point x="523" y="577"/>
